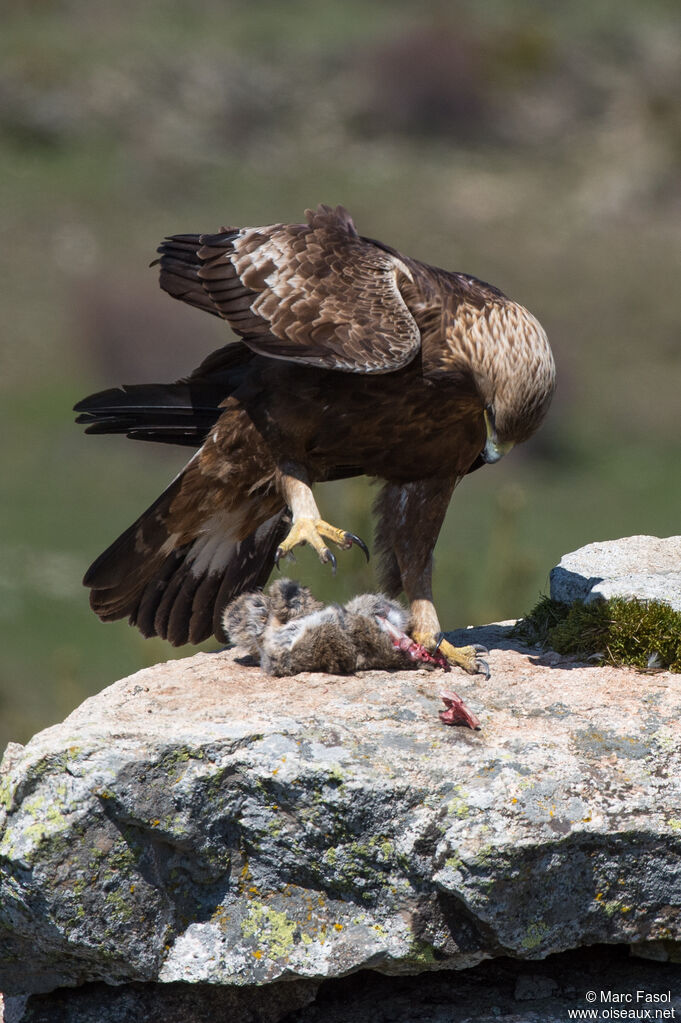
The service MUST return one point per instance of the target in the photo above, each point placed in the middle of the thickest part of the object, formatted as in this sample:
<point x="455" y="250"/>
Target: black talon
<point x="479" y="649"/>
<point x="279" y="554"/>
<point x="484" y="665"/>
<point x="360" y="543"/>
<point x="330" y="558"/>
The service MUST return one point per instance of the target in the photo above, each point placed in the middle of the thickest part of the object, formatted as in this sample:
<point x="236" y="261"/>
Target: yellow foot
<point x="466" y="657"/>
<point x="316" y="532"/>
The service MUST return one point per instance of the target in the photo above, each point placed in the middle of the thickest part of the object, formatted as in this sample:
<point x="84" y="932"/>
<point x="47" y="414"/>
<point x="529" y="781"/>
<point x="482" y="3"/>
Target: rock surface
<point x="201" y="822"/>
<point x="496" y="991"/>
<point x="646" y="567"/>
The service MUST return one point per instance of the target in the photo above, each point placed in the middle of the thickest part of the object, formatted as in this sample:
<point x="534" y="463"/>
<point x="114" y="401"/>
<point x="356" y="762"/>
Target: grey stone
<point x="663" y="951"/>
<point x="489" y="993"/>
<point x="646" y="567"/>
<point x="200" y="822"/>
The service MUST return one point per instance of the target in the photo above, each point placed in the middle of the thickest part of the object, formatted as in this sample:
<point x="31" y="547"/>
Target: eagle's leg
<point x="426" y="630"/>
<point x="409" y="520"/>
<point x="308" y="525"/>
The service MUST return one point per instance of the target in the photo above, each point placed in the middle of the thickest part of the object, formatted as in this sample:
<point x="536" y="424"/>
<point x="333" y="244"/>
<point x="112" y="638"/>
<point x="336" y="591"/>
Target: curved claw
<point x="319" y="535"/>
<point x="481" y="664"/>
<point x="329" y="558"/>
<point x="360" y="543"/>
<point x="281" y="553"/>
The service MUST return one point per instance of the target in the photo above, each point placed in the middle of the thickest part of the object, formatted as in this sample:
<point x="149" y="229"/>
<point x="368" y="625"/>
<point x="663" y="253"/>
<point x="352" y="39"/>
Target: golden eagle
<point x="353" y="360"/>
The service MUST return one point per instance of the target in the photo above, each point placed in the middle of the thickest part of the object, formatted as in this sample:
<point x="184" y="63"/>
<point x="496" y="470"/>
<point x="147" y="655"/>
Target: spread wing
<point x="315" y="293"/>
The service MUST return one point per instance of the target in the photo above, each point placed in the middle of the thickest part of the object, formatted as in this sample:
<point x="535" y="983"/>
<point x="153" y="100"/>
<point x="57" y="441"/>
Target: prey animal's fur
<point x="288" y="631"/>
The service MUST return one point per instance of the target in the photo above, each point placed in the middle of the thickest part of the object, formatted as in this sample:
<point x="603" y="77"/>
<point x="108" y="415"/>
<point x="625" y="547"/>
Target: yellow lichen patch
<point x="44" y="820"/>
<point x="6" y="793"/>
<point x="273" y="930"/>
<point x="535" y="935"/>
<point x="458" y="805"/>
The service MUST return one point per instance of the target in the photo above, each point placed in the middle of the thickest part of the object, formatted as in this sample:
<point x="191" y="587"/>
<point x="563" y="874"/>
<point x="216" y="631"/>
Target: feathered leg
<point x="410" y="516"/>
<point x="308" y="525"/>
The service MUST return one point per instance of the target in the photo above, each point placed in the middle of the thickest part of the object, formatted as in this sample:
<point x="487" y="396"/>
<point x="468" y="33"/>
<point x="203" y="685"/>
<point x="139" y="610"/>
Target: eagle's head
<point x="518" y="384"/>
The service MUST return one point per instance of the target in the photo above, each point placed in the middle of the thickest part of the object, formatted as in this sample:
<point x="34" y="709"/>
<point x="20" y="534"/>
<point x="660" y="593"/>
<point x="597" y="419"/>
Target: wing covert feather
<point x="314" y="293"/>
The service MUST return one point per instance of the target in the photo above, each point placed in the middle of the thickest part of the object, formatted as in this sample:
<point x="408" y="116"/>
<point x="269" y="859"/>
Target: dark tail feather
<point x="179" y="413"/>
<point x="179" y="591"/>
<point x="162" y="412"/>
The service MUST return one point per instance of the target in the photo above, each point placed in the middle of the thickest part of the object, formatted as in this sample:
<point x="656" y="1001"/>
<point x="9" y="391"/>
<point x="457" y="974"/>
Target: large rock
<point x="497" y="991"/>
<point x="646" y="567"/>
<point x="201" y="822"/>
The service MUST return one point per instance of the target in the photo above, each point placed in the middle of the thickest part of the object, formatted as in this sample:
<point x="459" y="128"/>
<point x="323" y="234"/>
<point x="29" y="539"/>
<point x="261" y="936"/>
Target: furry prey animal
<point x="352" y="360"/>
<point x="288" y="631"/>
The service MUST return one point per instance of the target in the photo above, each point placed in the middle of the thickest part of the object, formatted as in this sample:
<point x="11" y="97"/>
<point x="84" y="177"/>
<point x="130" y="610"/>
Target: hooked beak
<point x="494" y="449"/>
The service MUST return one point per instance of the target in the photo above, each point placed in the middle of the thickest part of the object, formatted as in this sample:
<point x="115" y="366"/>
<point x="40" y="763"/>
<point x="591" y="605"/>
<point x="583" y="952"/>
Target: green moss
<point x="536" y="627"/>
<point x="624" y="632"/>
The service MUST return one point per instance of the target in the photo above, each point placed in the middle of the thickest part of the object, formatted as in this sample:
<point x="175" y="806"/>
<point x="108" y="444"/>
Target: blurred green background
<point x="536" y="145"/>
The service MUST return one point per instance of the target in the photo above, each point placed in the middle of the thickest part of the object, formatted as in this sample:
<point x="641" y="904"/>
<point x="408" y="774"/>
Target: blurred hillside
<point x="535" y="145"/>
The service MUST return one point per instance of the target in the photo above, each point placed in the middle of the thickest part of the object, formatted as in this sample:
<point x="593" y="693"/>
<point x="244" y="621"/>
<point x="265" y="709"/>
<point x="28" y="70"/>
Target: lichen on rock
<point x="200" y="822"/>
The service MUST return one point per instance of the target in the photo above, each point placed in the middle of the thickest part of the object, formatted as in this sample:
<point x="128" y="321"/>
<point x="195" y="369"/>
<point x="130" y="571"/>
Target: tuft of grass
<point x="641" y="634"/>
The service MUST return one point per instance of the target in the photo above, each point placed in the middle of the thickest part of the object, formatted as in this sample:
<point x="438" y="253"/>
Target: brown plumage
<point x="353" y="360"/>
